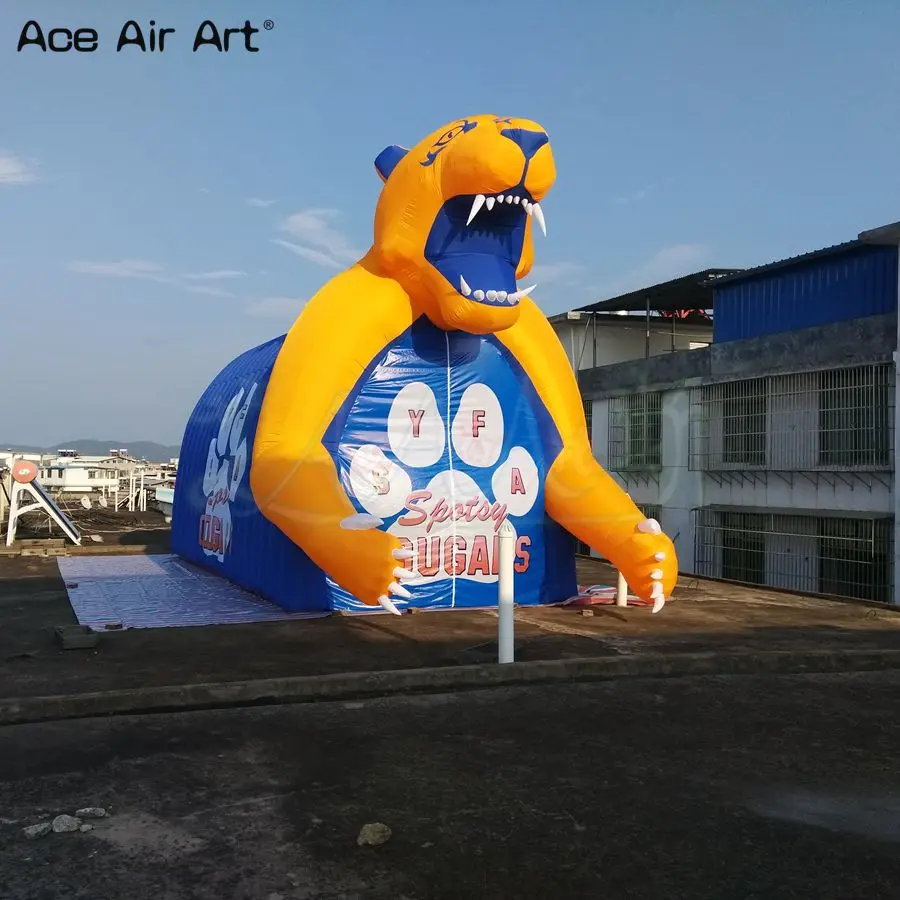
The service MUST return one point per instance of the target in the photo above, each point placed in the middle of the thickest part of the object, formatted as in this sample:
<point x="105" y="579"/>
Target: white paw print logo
<point x="226" y="463"/>
<point x="448" y="526"/>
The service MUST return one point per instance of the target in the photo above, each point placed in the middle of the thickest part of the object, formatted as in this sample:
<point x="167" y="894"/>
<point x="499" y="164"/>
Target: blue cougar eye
<point x="449" y="135"/>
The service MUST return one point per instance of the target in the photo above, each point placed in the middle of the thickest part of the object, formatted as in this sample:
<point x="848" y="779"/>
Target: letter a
<point x="516" y="484"/>
<point x="138" y="38"/>
<point x="214" y="39"/>
<point x="37" y="40"/>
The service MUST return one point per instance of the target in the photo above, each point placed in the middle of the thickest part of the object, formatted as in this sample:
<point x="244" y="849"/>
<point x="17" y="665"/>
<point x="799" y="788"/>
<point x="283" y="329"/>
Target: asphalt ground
<point x="722" y="787"/>
<point x="704" y="616"/>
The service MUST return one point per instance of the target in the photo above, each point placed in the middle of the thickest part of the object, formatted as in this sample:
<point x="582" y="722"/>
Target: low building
<point x="770" y="455"/>
<point x="638" y="326"/>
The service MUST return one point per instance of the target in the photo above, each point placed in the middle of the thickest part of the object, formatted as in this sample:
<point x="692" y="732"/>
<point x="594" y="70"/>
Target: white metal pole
<point x="505" y="594"/>
<point x="621" y="590"/>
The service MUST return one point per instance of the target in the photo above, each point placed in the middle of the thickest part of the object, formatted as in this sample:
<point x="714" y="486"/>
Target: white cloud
<point x="316" y="239"/>
<point x="215" y="275"/>
<point x="261" y="204"/>
<point x="318" y="257"/>
<point x="275" y="307"/>
<point x="666" y="264"/>
<point x="124" y="268"/>
<point x="194" y="282"/>
<point x="208" y="289"/>
<point x="14" y="170"/>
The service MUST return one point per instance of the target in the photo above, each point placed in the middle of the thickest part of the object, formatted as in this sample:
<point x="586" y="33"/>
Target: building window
<point x="744" y="422"/>
<point x="588" y="407"/>
<point x="855" y="558"/>
<point x="635" y="432"/>
<point x="855" y="417"/>
<point x="743" y="547"/>
<point x="834" y="553"/>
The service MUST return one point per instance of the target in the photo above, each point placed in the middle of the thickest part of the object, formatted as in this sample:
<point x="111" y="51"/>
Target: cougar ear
<point x="386" y="161"/>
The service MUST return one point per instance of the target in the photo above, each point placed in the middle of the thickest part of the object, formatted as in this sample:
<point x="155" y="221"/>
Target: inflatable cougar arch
<point x="368" y="458"/>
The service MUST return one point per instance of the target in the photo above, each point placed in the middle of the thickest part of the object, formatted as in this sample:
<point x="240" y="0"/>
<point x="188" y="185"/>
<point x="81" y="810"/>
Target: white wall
<point x="791" y="560"/>
<point x="617" y="341"/>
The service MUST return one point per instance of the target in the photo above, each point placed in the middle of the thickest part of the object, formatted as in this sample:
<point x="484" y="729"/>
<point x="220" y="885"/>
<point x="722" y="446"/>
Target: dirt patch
<point x="140" y="834"/>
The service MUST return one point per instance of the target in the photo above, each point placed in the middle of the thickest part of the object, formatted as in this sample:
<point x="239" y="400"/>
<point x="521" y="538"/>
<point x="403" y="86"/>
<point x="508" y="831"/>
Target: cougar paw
<point x="651" y="528"/>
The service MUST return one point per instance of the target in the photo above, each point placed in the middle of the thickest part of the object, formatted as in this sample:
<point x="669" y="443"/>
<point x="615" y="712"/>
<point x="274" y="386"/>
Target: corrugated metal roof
<point x="694" y="291"/>
<point x="810" y="290"/>
<point x="883" y="234"/>
<point x="744" y="274"/>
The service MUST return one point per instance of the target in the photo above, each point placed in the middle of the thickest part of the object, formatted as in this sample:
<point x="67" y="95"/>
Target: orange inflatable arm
<point x="293" y="478"/>
<point x="580" y="495"/>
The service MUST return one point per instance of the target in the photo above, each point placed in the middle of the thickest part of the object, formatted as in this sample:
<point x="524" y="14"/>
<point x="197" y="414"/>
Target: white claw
<point x="659" y="556"/>
<point x="657" y="596"/>
<point x="464" y="288"/>
<point x="657" y="574"/>
<point x="387" y="603"/>
<point x="489" y="203"/>
<point x="399" y="591"/>
<point x="477" y="203"/>
<point x="539" y="218"/>
<point x="649" y="526"/>
<point x="403" y="554"/>
<point x="361" y="522"/>
<point x="402" y="574"/>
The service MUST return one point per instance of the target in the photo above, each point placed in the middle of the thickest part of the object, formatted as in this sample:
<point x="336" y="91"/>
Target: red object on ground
<point x="599" y="595"/>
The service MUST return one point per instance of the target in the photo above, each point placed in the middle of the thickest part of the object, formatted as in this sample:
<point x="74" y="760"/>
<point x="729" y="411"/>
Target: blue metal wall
<point x="850" y="284"/>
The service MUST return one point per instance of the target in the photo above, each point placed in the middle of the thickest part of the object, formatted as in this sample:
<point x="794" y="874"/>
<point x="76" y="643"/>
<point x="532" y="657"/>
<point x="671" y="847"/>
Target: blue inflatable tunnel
<point x="446" y="504"/>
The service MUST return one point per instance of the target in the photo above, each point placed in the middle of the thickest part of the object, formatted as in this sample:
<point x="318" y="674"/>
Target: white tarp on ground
<point x="158" y="591"/>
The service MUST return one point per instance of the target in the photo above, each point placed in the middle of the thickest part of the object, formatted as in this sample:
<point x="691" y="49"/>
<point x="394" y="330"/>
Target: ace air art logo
<point x="136" y="37"/>
<point x="226" y="463"/>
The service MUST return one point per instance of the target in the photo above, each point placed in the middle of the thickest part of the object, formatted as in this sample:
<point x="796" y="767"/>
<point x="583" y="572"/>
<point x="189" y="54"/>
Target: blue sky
<point x="160" y="213"/>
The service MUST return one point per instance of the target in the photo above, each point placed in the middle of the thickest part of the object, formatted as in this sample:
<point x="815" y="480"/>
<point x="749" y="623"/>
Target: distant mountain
<point x="89" y="447"/>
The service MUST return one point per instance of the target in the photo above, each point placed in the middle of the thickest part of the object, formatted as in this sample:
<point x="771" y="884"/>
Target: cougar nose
<point x="528" y="141"/>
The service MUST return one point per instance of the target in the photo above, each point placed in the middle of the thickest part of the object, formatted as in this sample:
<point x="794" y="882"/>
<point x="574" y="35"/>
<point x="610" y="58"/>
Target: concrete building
<point x="119" y="479"/>
<point x="769" y="456"/>
<point x="634" y="327"/>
